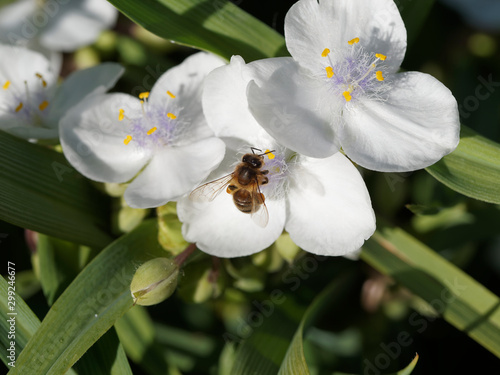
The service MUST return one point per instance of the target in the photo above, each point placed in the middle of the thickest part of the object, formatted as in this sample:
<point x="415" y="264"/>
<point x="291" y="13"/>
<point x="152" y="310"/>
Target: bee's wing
<point x="207" y="192"/>
<point x="259" y="212"/>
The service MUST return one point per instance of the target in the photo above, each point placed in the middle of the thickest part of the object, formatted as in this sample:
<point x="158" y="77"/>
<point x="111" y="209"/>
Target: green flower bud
<point x="154" y="281"/>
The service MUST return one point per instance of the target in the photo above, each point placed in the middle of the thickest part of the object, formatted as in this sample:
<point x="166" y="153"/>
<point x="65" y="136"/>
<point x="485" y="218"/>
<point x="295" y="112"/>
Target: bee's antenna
<point x="269" y="152"/>
<point x="255" y="149"/>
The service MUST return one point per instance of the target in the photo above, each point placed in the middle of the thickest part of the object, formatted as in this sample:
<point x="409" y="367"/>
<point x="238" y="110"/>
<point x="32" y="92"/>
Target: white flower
<point x="58" y="25"/>
<point x="322" y="203"/>
<point x="341" y="89"/>
<point x="113" y="137"/>
<point x="31" y="101"/>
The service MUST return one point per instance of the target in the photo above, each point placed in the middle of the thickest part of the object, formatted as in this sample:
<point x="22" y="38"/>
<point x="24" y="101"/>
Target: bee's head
<point x="254" y="160"/>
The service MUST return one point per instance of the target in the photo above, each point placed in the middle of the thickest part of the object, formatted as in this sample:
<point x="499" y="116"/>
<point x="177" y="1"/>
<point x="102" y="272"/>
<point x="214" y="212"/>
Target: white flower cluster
<point x="260" y="143"/>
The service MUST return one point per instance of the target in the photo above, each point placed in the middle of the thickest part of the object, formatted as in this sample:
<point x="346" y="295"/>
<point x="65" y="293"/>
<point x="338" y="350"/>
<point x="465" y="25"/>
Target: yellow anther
<point x="379" y="75"/>
<point x="151" y="131"/>
<point x="127" y="140"/>
<point x="19" y="107"/>
<point x="6" y="85"/>
<point x="325" y="52"/>
<point x="170" y="94"/>
<point x="347" y="96"/>
<point x="121" y="114"/>
<point x="329" y="71"/>
<point x="171" y="115"/>
<point x="44" y="83"/>
<point x="380" y="56"/>
<point x="269" y="154"/>
<point x="144" y="95"/>
<point x="353" y="41"/>
<point x="43" y="105"/>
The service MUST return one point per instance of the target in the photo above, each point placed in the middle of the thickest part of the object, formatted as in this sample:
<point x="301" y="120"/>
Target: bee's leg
<point x="265" y="172"/>
<point x="231" y="189"/>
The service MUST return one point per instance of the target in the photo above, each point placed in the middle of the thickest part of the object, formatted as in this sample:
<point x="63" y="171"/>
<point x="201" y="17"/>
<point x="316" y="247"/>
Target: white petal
<point x="76" y="23"/>
<point x="19" y="84"/>
<point x="295" y="109"/>
<point x="415" y="127"/>
<point x="95" y="80"/>
<point x="185" y="82"/>
<point x="225" y="98"/>
<point x="21" y="64"/>
<point x="173" y="172"/>
<point x="92" y="138"/>
<point x="220" y="229"/>
<point x="330" y="211"/>
<point x="16" y="26"/>
<point x="311" y="27"/>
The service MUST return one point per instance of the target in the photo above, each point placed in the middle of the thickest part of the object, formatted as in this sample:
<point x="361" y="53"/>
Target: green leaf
<point x="473" y="169"/>
<point x="105" y="357"/>
<point x="41" y="192"/>
<point x="406" y="371"/>
<point x="92" y="303"/>
<point x="276" y="346"/>
<point x="58" y="265"/>
<point x="461" y="300"/>
<point x="26" y="323"/>
<point x="217" y="26"/>
<point x="137" y="334"/>
<point x="295" y="361"/>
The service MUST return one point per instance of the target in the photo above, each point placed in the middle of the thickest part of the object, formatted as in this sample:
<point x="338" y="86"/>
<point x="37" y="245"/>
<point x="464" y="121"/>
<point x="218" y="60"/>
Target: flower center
<point x="29" y="105"/>
<point x="353" y="72"/>
<point x="276" y="162"/>
<point x="158" y="127"/>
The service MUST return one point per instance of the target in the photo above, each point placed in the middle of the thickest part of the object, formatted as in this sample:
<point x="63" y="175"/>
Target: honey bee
<point x="244" y="185"/>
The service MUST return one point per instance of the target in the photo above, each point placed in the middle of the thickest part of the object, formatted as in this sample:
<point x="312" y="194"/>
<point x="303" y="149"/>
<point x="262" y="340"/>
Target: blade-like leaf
<point x="105" y="357"/>
<point x="26" y="323"/>
<point x="59" y="265"/>
<point x="473" y="169"/>
<point x="216" y="26"/>
<point x="295" y="361"/>
<point x="40" y="191"/>
<point x="137" y="334"/>
<point x="406" y="371"/>
<point x="461" y="300"/>
<point x="92" y="303"/>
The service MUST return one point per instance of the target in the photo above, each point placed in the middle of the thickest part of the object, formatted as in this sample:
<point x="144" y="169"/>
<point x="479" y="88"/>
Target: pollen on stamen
<point x="353" y="41"/>
<point x="127" y="140"/>
<point x="347" y="96"/>
<point x="151" y="131"/>
<point x="43" y="105"/>
<point x="171" y="116"/>
<point x="144" y="95"/>
<point x="379" y="75"/>
<point x="380" y="56"/>
<point x="121" y="114"/>
<point x="325" y="52"/>
<point x="170" y="94"/>
<point x="6" y="85"/>
<point x="329" y="71"/>
<point x="19" y="107"/>
<point x="44" y="83"/>
<point x="269" y="154"/>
